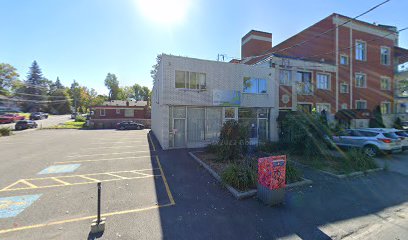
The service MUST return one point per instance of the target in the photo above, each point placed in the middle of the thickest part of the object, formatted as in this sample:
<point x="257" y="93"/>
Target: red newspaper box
<point x="272" y="179"/>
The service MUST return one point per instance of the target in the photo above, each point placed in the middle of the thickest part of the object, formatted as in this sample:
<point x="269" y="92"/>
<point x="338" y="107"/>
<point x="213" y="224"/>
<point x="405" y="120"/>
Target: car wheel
<point x="18" y="128"/>
<point x="122" y="128"/>
<point x="370" y="150"/>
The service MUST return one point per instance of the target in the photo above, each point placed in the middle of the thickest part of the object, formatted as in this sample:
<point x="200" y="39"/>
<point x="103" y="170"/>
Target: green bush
<point x="80" y="118"/>
<point x="5" y="131"/>
<point x="233" y="141"/>
<point x="357" y="160"/>
<point x="292" y="173"/>
<point x="398" y="123"/>
<point x="239" y="176"/>
<point x="211" y="148"/>
<point x="272" y="147"/>
<point x="377" y="121"/>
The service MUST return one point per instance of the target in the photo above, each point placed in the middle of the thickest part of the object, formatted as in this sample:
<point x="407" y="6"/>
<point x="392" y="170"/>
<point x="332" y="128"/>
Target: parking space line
<point x="83" y="218"/>
<point x="103" y="159"/>
<point x="28" y="183"/>
<point x="114" y="175"/>
<point x="104" y="154"/>
<point x="60" y="181"/>
<point x="88" y="178"/>
<point x="114" y="143"/>
<point x="151" y="142"/>
<point x="166" y="185"/>
<point x="115" y="147"/>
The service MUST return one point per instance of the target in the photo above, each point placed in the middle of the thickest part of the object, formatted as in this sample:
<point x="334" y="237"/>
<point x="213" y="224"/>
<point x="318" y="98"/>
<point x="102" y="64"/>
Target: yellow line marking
<point x="114" y="175"/>
<point x="165" y="182"/>
<point x="150" y="138"/>
<point x="83" y="218"/>
<point x="103" y="159"/>
<point x="143" y="174"/>
<point x="9" y="186"/>
<point x="28" y="183"/>
<point x="88" y="178"/>
<point x="60" y="181"/>
<point x="104" y="154"/>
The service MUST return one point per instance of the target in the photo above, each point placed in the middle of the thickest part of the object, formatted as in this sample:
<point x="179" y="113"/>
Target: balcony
<point x="304" y="88"/>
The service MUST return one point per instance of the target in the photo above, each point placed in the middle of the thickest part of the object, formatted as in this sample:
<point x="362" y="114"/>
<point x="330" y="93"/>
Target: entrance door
<point x="179" y="132"/>
<point x="263" y="130"/>
<point x="253" y="131"/>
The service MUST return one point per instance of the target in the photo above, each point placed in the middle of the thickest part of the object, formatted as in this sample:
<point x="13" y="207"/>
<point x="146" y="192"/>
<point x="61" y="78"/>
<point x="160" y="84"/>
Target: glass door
<point x="263" y="130"/>
<point x="179" y="130"/>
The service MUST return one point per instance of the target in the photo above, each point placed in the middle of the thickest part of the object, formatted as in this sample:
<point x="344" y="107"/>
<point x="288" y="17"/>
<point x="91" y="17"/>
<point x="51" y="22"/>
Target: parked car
<point x="38" y="115"/>
<point x="5" y="119"/>
<point x="25" y="124"/>
<point x="404" y="125"/>
<point x="13" y="116"/>
<point x="372" y="140"/>
<point x="403" y="135"/>
<point x="128" y="125"/>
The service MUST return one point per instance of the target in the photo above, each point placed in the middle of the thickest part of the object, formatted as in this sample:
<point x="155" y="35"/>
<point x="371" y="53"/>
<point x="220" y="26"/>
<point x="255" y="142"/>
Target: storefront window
<point x="195" y="124"/>
<point x="213" y="123"/>
<point x="229" y="113"/>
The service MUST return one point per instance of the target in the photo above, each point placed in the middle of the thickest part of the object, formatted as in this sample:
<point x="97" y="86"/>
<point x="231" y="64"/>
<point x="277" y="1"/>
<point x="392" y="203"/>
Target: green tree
<point x="377" y="121"/>
<point x="126" y="93"/>
<point x="8" y="74"/>
<point x="137" y="89"/>
<point x="35" y="89"/>
<point x="75" y="93"/>
<point x="146" y="93"/>
<point x="112" y="83"/>
<point x="60" y="102"/>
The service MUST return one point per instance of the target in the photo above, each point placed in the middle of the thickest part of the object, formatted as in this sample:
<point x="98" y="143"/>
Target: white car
<point x="371" y="140"/>
<point x="403" y="135"/>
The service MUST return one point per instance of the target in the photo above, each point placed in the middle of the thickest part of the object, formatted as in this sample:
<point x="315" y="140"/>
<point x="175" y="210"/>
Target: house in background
<point x="401" y="95"/>
<point x="112" y="112"/>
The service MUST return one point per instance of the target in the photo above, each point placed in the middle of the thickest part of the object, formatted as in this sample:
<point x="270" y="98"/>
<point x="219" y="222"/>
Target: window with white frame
<point x="285" y="77"/>
<point x="344" y="106"/>
<point x="102" y="112"/>
<point x="385" y="83"/>
<point x="385" y="107"/>
<point x="361" y="50"/>
<point x="304" y="84"/>
<point x="229" y="113"/>
<point x="361" y="104"/>
<point x="361" y="81"/>
<point x="323" y="81"/>
<point x="344" y="88"/>
<point x="343" y="59"/>
<point x="385" y="55"/>
<point x="190" y="80"/>
<point x="254" y="85"/>
<point x="323" y="106"/>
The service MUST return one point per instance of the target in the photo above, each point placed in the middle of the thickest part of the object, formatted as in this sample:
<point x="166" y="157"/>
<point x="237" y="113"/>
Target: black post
<point x="99" y="203"/>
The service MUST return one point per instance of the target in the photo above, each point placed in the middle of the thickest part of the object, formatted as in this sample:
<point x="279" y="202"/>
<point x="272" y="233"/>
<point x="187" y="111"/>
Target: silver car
<point x="403" y="135"/>
<point x="371" y="140"/>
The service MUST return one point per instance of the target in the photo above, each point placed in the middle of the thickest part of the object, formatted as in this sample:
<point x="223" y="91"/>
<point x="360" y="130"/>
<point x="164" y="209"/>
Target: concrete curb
<point x="341" y="176"/>
<point x="237" y="194"/>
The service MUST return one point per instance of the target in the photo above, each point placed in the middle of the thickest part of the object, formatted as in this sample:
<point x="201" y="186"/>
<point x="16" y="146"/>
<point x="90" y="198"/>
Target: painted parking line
<point x="103" y="159"/>
<point x="151" y="142"/>
<point x="169" y="195"/>
<point x="72" y="180"/>
<point x="60" y="169"/>
<point x="12" y="206"/>
<point x="129" y="146"/>
<point x="104" y="154"/>
<point x="116" y="143"/>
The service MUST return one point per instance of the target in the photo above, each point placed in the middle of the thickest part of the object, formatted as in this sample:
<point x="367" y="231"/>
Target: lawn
<point x="68" y="125"/>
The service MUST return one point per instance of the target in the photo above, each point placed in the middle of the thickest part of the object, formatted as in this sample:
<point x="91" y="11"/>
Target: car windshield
<point x="390" y="135"/>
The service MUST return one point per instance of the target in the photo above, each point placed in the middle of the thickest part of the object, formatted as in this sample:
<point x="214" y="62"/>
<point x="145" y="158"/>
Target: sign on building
<point x="229" y="98"/>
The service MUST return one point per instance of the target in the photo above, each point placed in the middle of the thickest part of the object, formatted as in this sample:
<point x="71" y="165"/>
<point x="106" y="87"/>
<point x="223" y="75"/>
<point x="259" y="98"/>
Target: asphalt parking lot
<point x="48" y="185"/>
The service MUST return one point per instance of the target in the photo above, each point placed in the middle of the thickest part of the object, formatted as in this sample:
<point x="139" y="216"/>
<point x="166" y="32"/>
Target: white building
<point x="192" y="98"/>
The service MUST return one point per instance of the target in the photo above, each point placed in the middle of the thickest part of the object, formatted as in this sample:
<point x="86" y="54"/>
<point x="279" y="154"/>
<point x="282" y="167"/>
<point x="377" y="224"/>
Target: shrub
<point x="272" y="147"/>
<point x="292" y="173"/>
<point x="239" y="176"/>
<point x="376" y="121"/>
<point x="211" y="148"/>
<point x="233" y="141"/>
<point x="5" y="131"/>
<point x="398" y="123"/>
<point x="80" y="118"/>
<point x="357" y="160"/>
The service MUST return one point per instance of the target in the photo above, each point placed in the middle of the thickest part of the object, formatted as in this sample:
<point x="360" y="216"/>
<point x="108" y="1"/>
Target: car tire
<point x="122" y="128"/>
<point x="371" y="150"/>
<point x="18" y="128"/>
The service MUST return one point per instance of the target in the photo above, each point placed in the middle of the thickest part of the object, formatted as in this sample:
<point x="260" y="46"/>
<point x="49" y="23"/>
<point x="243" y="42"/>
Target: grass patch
<point x="68" y="125"/>
<point x="5" y="131"/>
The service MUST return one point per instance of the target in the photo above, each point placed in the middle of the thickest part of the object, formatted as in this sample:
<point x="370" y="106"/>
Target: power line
<point x="317" y="35"/>
<point x="37" y="101"/>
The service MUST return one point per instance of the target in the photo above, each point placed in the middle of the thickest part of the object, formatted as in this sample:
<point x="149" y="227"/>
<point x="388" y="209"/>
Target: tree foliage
<point x="377" y="121"/>
<point x="112" y="83"/>
<point x="8" y="74"/>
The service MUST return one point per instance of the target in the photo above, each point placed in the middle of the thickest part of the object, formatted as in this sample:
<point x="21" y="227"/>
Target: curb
<point x="237" y="194"/>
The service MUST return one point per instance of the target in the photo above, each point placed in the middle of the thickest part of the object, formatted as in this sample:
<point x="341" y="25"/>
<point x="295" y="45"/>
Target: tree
<point x="126" y="93"/>
<point x="60" y="102"/>
<point x="58" y="84"/>
<point x="35" y="89"/>
<point x="112" y="83"/>
<point x="8" y="74"/>
<point x="75" y="93"/>
<point x="377" y="121"/>
<point x="137" y="89"/>
<point x="146" y="94"/>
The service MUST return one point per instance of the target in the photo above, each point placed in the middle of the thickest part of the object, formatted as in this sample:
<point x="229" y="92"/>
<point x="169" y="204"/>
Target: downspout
<point x="337" y="64"/>
<point x="351" y="66"/>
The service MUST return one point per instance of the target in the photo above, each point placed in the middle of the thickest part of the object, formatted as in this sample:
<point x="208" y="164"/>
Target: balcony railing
<point x="304" y="88"/>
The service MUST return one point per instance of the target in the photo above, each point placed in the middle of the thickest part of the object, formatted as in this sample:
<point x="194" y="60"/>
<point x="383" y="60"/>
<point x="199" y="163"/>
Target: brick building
<point x="112" y="112"/>
<point x="363" y="58"/>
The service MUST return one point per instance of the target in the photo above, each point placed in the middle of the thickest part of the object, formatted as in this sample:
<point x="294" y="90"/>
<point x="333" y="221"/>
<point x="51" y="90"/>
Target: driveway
<point x="50" y="121"/>
<point x="397" y="162"/>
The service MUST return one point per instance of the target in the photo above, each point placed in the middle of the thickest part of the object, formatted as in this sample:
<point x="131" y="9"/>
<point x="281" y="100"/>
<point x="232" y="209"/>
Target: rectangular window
<point x="195" y="124"/>
<point x="385" y="107"/>
<point x="361" y="104"/>
<point x="229" y="114"/>
<point x="361" y="51"/>
<point x="323" y="81"/>
<point x="385" y="83"/>
<point x="344" y="106"/>
<point x="254" y="85"/>
<point x="190" y="80"/>
<point x="343" y="59"/>
<point x="304" y="83"/>
<point x="322" y="106"/>
<point x="129" y="113"/>
<point x="117" y="111"/>
<point x="213" y="123"/>
<point x="344" y="88"/>
<point x="102" y="112"/>
<point x="285" y="77"/>
<point x="361" y="81"/>
<point x="385" y="55"/>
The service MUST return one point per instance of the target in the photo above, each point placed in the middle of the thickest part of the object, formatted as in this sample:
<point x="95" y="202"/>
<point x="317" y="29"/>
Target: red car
<point x="12" y="116"/>
<point x="5" y="119"/>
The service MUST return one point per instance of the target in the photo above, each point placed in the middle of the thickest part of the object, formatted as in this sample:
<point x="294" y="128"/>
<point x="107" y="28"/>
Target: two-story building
<point x="192" y="98"/>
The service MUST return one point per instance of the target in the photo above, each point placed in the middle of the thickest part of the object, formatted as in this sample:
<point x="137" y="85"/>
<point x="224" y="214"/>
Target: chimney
<point x="255" y="43"/>
<point x="127" y="103"/>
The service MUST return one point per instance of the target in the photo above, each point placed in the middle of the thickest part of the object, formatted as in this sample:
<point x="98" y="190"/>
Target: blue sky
<point x="86" y="39"/>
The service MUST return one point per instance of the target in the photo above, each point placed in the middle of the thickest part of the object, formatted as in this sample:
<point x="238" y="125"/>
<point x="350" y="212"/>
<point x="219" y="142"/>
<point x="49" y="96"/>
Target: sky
<point x="86" y="39"/>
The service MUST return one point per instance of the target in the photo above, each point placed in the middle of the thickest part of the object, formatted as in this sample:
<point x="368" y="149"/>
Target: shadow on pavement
<point x="205" y="210"/>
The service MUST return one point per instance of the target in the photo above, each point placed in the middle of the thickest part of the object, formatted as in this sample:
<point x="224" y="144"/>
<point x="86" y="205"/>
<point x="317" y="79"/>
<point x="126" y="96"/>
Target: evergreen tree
<point x="377" y="121"/>
<point x="58" y="84"/>
<point x="35" y="89"/>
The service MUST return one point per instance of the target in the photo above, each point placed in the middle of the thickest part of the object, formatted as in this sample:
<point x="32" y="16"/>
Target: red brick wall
<point x="110" y="113"/>
<point x="254" y="46"/>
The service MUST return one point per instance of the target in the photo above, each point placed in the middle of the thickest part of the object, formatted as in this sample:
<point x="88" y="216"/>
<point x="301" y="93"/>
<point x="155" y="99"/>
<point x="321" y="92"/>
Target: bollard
<point x="98" y="225"/>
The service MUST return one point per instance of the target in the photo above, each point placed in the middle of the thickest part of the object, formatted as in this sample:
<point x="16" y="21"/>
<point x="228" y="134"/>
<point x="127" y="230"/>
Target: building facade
<point x="192" y="98"/>
<point x="363" y="57"/>
<point x="112" y="112"/>
<point x="401" y="95"/>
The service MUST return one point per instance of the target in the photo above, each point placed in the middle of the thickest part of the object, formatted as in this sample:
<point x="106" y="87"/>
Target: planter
<point x="270" y="196"/>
